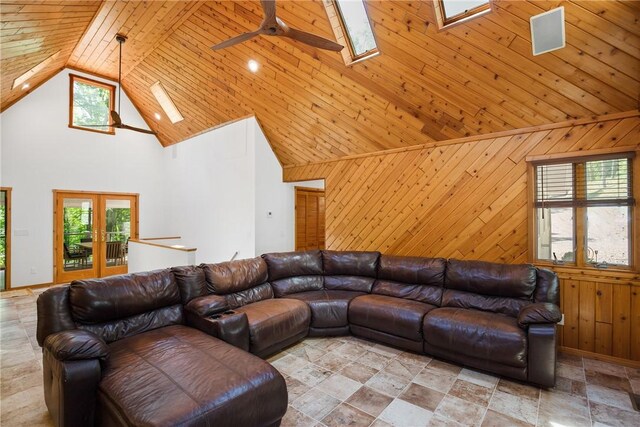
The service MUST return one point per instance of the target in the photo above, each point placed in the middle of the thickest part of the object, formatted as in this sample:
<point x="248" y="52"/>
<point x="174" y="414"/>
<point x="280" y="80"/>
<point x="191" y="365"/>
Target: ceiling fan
<point x="116" y="121"/>
<point x="273" y="26"/>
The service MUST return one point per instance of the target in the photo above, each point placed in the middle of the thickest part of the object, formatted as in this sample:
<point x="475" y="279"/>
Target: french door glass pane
<point x="555" y="234"/>
<point x="118" y="231"/>
<point x="78" y="234"/>
<point x="608" y="235"/>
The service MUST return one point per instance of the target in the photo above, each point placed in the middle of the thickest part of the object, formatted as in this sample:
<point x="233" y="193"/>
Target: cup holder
<point x="229" y="312"/>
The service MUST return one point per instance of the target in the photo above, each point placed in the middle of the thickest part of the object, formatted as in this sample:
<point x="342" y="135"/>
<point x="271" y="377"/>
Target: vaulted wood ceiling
<point x="426" y="85"/>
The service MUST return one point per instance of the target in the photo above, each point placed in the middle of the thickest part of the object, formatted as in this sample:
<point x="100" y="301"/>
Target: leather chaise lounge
<point x="183" y="346"/>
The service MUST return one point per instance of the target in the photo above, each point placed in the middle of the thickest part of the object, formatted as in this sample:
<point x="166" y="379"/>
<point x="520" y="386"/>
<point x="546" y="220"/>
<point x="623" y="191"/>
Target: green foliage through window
<point x="92" y="104"/>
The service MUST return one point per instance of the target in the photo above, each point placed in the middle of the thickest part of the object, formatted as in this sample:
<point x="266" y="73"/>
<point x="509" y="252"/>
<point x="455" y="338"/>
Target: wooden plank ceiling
<point x="427" y="85"/>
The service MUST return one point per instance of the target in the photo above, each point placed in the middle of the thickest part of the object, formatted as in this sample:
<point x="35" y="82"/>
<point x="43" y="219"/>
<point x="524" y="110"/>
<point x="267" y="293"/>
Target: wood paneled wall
<point x="601" y="312"/>
<point x="467" y="199"/>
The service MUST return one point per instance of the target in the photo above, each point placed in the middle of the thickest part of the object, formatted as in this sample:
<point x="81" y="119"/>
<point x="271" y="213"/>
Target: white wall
<point x="213" y="190"/>
<point x="275" y="232"/>
<point x="148" y="257"/>
<point x="40" y="153"/>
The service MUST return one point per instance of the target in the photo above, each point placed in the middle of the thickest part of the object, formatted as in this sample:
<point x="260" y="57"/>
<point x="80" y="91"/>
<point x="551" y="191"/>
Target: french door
<point x="91" y="233"/>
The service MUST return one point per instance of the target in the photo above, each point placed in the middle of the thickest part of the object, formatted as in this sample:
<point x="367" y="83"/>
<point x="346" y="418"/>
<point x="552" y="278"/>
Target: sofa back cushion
<point x="294" y="272"/>
<point x="191" y="282"/>
<point x="500" y="288"/>
<point x="241" y="282"/>
<point x="418" y="279"/>
<point x="350" y="271"/>
<point x="234" y="276"/>
<point x="120" y="306"/>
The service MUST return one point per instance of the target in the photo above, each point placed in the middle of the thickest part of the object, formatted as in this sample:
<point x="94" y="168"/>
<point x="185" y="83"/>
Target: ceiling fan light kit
<point x="273" y="26"/>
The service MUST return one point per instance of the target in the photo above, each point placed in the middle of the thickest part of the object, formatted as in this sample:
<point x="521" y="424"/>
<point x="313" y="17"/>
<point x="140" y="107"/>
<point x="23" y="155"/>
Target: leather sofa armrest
<point x="208" y="305"/>
<point x="229" y="326"/>
<point x="76" y="344"/>
<point x="539" y="312"/>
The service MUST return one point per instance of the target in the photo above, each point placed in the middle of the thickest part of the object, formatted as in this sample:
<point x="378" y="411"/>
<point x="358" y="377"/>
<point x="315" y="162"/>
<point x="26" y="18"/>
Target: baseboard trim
<point x="601" y="357"/>
<point x="35" y="286"/>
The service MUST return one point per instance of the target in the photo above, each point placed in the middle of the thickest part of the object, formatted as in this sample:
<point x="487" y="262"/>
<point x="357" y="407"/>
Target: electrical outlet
<point x="33" y="271"/>
<point x="561" y="322"/>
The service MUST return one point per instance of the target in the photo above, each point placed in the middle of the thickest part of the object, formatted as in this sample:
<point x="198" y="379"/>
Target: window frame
<point x="580" y="212"/>
<point x="445" y="23"/>
<point x="73" y="78"/>
<point x="339" y="27"/>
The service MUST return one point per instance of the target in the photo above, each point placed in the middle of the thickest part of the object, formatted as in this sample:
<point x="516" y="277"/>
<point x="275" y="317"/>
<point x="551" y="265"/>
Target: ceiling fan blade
<point x="312" y="40"/>
<point x="237" y="39"/>
<point x="269" y="8"/>
<point x="123" y="126"/>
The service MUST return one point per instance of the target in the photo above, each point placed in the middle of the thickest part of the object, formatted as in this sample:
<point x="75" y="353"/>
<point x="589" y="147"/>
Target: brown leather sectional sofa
<point x="179" y="346"/>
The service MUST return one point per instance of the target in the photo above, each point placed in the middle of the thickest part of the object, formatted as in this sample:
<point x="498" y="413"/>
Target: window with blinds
<point x="583" y="210"/>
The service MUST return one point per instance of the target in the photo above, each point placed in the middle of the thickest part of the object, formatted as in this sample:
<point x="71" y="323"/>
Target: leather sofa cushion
<point x="349" y="283"/>
<point x="181" y="376"/>
<point x="423" y="293"/>
<point x="350" y="263"/>
<point x="412" y="270"/>
<point x="235" y="276"/>
<point x="477" y="334"/>
<point x="296" y="284"/>
<point x="255" y="294"/>
<point x="292" y="264"/>
<point x="117" y="297"/>
<point x="395" y="316"/>
<point x="191" y="282"/>
<point x="329" y="309"/>
<point x="275" y="320"/>
<point x="118" y="329"/>
<point x="486" y="278"/>
<point x="502" y="305"/>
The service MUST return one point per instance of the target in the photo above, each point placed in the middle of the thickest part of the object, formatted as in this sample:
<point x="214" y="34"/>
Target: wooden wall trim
<point x="601" y="357"/>
<point x="476" y="138"/>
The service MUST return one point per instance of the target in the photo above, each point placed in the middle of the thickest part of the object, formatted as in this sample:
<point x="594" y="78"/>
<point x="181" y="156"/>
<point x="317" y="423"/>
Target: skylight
<point x="166" y="102"/>
<point x="352" y="28"/>
<point x="453" y="11"/>
<point x="32" y="72"/>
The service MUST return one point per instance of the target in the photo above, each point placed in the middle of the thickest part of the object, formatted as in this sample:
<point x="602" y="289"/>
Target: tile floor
<point x="348" y="381"/>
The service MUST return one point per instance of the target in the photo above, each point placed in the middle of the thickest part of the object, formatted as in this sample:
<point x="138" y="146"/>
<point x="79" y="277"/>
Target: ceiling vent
<point x="547" y="31"/>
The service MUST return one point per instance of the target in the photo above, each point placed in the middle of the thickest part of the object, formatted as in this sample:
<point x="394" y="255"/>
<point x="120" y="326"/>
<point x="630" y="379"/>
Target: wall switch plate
<point x="561" y="322"/>
<point x="33" y="270"/>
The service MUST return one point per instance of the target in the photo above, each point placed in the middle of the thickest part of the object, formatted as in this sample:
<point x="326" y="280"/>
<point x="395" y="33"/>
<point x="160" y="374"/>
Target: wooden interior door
<point x="91" y="234"/>
<point x="310" y="212"/>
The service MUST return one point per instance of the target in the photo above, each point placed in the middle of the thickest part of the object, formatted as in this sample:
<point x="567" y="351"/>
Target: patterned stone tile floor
<point x="348" y="381"/>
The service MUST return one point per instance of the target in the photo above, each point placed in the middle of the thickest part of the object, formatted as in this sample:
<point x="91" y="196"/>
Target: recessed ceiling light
<point x="25" y="86"/>
<point x="253" y="65"/>
<point x="158" y="116"/>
